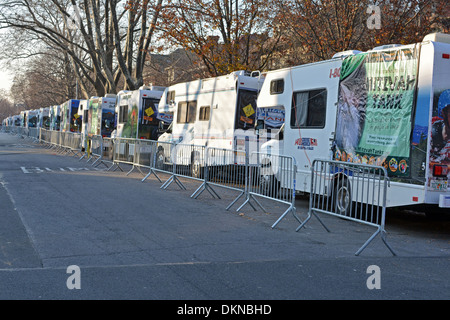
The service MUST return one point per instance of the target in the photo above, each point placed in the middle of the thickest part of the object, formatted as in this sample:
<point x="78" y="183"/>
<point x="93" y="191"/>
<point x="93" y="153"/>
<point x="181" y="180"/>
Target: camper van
<point x="101" y="115"/>
<point x="70" y="120"/>
<point x="15" y="121"/>
<point x="44" y="118"/>
<point x="83" y="115"/>
<point x="137" y="113"/>
<point x="55" y="117"/>
<point x="83" y="119"/>
<point x="388" y="106"/>
<point x="29" y="118"/>
<point x="215" y="112"/>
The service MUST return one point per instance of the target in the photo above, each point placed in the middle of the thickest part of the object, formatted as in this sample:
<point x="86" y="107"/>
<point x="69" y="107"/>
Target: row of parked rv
<point x="388" y="106"/>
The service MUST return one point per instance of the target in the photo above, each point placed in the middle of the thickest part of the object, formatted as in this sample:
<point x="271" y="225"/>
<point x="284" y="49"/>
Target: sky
<point x="5" y="80"/>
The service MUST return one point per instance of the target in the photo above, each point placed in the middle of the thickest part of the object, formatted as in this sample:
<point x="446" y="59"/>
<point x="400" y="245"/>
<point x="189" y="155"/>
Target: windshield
<point x="108" y="122"/>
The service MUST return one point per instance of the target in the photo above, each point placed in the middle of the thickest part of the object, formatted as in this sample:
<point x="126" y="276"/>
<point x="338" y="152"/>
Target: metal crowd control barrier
<point x="160" y="159"/>
<point x="54" y="139"/>
<point x="71" y="142"/>
<point x="178" y="160"/>
<point x="94" y="149"/>
<point x="124" y="152"/>
<point x="223" y="168"/>
<point x="107" y="150"/>
<point x="272" y="176"/>
<point x="261" y="175"/>
<point x="355" y="192"/>
<point x="187" y="161"/>
<point x="34" y="134"/>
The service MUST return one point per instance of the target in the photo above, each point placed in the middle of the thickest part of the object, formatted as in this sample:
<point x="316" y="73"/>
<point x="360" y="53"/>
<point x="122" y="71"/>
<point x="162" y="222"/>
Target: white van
<point x="215" y="112"/>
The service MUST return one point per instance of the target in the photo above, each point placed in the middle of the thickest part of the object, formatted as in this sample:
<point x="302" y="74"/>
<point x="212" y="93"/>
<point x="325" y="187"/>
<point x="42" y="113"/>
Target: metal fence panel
<point x="223" y="168"/>
<point x="351" y="191"/>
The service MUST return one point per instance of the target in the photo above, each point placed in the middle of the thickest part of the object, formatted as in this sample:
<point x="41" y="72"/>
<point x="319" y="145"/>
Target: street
<point x="70" y="230"/>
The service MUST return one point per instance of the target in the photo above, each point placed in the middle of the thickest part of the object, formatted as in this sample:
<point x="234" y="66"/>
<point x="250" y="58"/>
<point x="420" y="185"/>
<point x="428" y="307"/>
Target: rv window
<point x="123" y="114"/>
<point x="170" y="96"/>
<point x="309" y="109"/>
<point x="277" y="86"/>
<point x="187" y="112"/>
<point x="204" y="113"/>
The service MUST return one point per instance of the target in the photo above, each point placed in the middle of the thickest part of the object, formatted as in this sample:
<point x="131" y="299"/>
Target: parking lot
<point x="134" y="240"/>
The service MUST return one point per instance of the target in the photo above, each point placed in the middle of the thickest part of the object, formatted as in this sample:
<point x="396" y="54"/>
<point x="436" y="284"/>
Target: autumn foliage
<point x="110" y="46"/>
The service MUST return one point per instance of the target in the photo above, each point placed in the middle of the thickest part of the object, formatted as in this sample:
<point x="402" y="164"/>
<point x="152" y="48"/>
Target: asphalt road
<point x="133" y="240"/>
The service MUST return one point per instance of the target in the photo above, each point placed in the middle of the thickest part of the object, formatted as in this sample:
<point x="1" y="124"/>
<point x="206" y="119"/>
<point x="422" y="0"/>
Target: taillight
<point x="440" y="170"/>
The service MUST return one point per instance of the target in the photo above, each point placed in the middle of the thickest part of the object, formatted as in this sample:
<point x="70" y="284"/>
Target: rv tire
<point x="159" y="161"/>
<point x="196" y="167"/>
<point x="342" y="197"/>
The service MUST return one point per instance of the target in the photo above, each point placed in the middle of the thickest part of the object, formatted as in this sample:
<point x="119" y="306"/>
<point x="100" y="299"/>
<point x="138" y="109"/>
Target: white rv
<point x="55" y="117"/>
<point x="101" y="115"/>
<point x="83" y="113"/>
<point x="308" y="95"/>
<point x="70" y="116"/>
<point x="137" y="113"/>
<point x="83" y="116"/>
<point x="44" y="118"/>
<point x="215" y="112"/>
<point x="389" y="106"/>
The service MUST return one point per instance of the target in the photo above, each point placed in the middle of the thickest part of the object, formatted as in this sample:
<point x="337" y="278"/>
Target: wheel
<point x="342" y="197"/>
<point x="159" y="161"/>
<point x="196" y="166"/>
<point x="269" y="185"/>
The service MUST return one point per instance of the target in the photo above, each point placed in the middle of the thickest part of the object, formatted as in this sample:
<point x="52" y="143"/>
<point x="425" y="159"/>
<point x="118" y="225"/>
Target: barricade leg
<point x="150" y="173"/>
<point x="348" y="191"/>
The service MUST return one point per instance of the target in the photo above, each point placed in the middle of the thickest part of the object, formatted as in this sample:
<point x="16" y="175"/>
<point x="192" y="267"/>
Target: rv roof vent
<point x="144" y="87"/>
<point x="343" y="54"/>
<point x="110" y="95"/>
<point x="387" y="46"/>
<point x="240" y="73"/>
<point x="255" y="74"/>
<point x="159" y="88"/>
<point x="437" y="37"/>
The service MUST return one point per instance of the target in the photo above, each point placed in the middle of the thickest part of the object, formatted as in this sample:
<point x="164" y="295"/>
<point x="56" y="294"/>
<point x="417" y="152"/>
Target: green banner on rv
<point x="375" y="107"/>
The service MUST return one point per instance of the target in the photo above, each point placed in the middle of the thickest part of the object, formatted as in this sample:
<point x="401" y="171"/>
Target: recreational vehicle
<point x="15" y="121"/>
<point x="214" y="112"/>
<point x="137" y="113"/>
<point x="388" y="106"/>
<point x="44" y="118"/>
<point x="29" y="118"/>
<point x="71" y="120"/>
<point x="101" y="115"/>
<point x="55" y="117"/>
